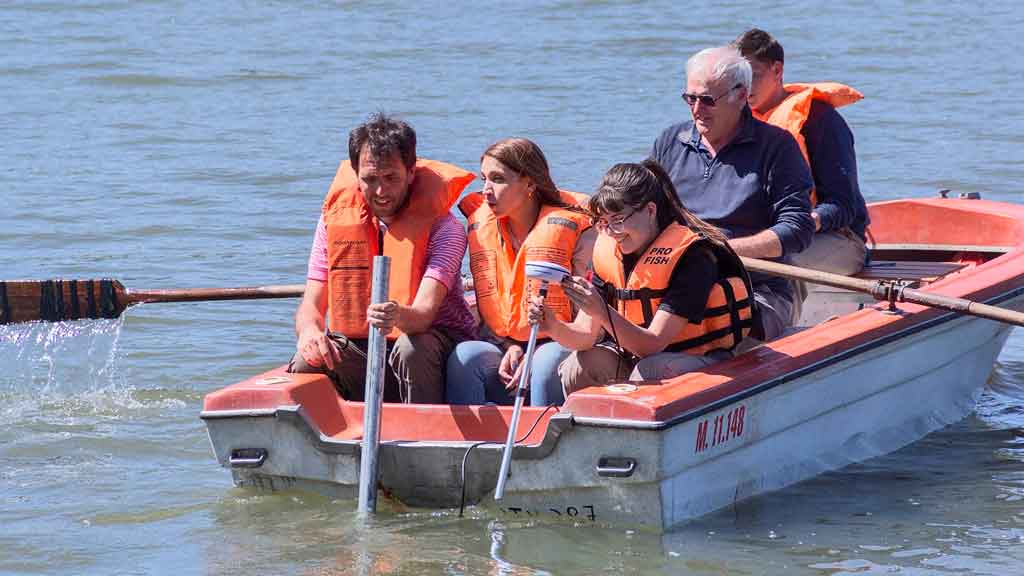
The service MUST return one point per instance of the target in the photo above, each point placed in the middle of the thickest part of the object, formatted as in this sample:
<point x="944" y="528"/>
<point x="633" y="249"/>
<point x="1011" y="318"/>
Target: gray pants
<point x="415" y="372"/>
<point x="776" y="311"/>
<point x="837" y="252"/>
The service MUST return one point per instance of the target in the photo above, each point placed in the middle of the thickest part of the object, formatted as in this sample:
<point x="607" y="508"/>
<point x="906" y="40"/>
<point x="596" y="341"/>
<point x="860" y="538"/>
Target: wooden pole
<point x="886" y="291"/>
<point x="376" y="350"/>
<point x="58" y="300"/>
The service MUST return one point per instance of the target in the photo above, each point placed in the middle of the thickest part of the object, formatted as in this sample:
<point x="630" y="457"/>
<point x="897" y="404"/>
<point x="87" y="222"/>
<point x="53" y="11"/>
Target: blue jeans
<point x="472" y="375"/>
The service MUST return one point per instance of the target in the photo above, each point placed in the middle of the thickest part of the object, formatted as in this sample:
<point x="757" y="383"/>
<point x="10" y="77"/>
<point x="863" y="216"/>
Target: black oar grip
<point x="108" y="300"/>
<point x="60" y="300"/>
<point x="5" y="305"/>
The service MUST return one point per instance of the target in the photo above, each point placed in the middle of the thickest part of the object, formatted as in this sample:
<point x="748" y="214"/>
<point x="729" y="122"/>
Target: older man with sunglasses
<point x="745" y="176"/>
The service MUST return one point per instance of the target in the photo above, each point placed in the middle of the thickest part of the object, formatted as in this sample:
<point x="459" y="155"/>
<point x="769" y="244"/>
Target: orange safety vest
<point x="354" y="238"/>
<point x="792" y="112"/>
<point x="499" y="277"/>
<point x="728" y="313"/>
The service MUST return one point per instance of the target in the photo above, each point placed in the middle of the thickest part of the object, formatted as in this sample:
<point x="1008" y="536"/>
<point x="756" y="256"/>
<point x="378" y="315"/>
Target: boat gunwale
<point x="799" y="372"/>
<point x="558" y="423"/>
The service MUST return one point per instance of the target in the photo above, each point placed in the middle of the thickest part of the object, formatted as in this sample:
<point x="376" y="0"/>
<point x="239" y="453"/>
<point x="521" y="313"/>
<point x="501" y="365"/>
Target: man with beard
<point x="386" y="201"/>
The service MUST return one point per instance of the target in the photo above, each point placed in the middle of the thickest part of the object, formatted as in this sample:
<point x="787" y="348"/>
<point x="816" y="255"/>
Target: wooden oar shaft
<point x="57" y="300"/>
<point x="883" y="290"/>
<point x="208" y="294"/>
<point x="964" y="306"/>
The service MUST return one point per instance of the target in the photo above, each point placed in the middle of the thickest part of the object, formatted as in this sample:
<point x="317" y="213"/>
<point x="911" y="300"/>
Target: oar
<point x="57" y="300"/>
<point x="886" y="291"/>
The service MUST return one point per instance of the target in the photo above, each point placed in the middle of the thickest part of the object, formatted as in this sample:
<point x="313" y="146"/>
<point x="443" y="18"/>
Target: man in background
<point x="808" y="112"/>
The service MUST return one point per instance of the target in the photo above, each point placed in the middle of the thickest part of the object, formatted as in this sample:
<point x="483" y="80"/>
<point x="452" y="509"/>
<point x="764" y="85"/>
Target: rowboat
<point x="859" y="378"/>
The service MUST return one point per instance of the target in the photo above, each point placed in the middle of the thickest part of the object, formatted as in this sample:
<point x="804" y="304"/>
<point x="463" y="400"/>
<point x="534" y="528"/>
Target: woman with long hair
<point x="519" y="216"/>
<point x="667" y="295"/>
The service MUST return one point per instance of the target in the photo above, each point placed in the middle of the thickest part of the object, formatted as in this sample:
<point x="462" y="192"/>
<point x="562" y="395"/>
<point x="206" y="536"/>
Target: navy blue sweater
<point x="834" y="166"/>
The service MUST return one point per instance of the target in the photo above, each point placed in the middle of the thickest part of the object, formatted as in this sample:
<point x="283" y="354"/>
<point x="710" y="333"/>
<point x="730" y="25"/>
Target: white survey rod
<point x="506" y="456"/>
<point x="376" y="356"/>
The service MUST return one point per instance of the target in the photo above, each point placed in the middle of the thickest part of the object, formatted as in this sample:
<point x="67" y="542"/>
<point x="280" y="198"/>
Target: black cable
<point x="462" y="475"/>
<point x="465" y="457"/>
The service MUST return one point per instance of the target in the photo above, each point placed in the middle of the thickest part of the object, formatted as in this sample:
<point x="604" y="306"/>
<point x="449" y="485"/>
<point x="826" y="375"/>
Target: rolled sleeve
<point x="833" y="216"/>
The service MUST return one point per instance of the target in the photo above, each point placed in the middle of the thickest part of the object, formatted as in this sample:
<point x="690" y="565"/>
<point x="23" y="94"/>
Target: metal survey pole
<point x="376" y="356"/>
<point x="524" y="377"/>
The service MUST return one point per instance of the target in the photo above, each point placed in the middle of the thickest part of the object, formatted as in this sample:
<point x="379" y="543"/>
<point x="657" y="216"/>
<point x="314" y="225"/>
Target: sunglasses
<point x="707" y="100"/>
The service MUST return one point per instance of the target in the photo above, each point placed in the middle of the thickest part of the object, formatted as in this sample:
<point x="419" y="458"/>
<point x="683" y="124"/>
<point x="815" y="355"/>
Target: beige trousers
<point x="837" y="252"/>
<point x="599" y="365"/>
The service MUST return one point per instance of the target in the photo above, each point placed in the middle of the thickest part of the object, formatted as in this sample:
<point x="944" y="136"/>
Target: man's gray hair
<point x="721" y="63"/>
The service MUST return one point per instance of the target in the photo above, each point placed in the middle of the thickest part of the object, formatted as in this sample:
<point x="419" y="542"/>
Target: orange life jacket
<point x="792" y="112"/>
<point x="728" y="313"/>
<point x="499" y="277"/>
<point x="354" y="237"/>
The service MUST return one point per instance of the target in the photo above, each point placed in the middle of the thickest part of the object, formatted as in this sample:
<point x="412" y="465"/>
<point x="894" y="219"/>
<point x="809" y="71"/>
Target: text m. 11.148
<point x="717" y="430"/>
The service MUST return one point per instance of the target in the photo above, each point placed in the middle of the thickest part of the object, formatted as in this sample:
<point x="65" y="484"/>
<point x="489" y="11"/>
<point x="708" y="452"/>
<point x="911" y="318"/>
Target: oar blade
<point x="57" y="300"/>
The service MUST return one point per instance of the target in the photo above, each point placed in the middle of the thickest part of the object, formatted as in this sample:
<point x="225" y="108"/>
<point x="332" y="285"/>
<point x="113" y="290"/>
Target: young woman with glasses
<point x="667" y="296"/>
<point x="519" y="216"/>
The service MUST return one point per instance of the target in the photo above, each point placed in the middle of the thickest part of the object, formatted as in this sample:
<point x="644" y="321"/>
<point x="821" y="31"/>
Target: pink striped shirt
<point x="444" y="263"/>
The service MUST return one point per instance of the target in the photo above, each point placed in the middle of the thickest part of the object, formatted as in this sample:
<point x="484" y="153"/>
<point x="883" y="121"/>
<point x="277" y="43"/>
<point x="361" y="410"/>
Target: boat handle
<point x="615" y="467"/>
<point x="247" y="457"/>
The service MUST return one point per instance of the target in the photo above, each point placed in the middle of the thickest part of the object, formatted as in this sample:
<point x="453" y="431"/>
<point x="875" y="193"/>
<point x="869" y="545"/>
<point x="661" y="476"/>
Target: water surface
<point x="183" y="144"/>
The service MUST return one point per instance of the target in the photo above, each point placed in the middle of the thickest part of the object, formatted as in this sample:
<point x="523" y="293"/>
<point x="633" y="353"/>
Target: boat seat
<point x="825" y="302"/>
<point x="917" y="271"/>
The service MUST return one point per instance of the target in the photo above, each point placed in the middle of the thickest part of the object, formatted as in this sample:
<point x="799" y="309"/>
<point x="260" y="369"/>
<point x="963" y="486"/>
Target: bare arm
<point x="641" y="341"/>
<point x="580" y="334"/>
<point x="312" y="342"/>
<point x="584" y="252"/>
<point x="764" y="244"/>
<point x="413" y="319"/>
<point x="313" y="307"/>
<point x="445" y="249"/>
<point x="636" y="339"/>
<point x="418" y="317"/>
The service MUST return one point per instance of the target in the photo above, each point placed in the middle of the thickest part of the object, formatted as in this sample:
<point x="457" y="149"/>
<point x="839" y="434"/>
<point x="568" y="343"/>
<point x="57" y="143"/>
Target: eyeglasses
<point x="617" y="225"/>
<point x="707" y="100"/>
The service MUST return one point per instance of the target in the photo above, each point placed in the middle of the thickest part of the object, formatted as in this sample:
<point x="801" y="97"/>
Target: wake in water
<point x="1001" y="405"/>
<point x="63" y="365"/>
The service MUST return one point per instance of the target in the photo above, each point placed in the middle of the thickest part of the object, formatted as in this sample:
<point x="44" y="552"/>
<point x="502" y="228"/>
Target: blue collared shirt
<point x="758" y="181"/>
